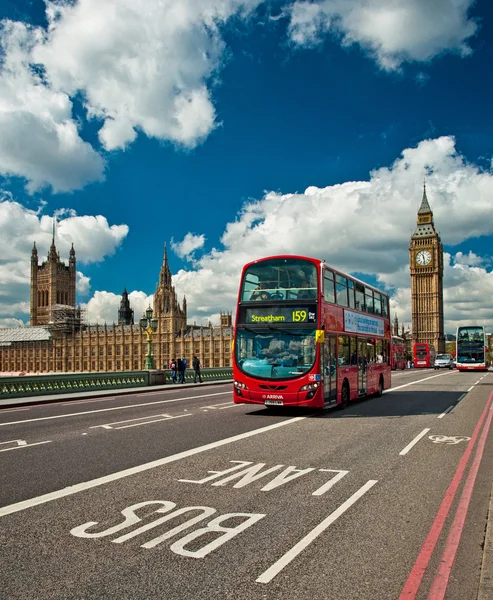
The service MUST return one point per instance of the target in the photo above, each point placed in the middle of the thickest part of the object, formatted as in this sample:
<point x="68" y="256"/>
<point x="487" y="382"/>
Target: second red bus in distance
<point x="423" y="355"/>
<point x="307" y="334"/>
<point x="398" y="353"/>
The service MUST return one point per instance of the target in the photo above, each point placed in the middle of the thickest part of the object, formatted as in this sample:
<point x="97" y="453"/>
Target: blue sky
<point x="232" y="129"/>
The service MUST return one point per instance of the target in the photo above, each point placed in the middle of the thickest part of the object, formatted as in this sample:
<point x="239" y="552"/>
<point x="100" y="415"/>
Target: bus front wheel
<point x="344" y="394"/>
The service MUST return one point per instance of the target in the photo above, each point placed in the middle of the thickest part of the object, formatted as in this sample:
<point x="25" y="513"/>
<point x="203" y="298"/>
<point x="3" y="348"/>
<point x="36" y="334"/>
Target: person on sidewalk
<point x="173" y="368"/>
<point x="196" y="370"/>
<point x="182" y="367"/>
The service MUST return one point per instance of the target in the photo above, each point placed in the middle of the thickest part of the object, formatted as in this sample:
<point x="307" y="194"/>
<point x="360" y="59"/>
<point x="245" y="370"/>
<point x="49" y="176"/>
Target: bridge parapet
<point x="65" y="383"/>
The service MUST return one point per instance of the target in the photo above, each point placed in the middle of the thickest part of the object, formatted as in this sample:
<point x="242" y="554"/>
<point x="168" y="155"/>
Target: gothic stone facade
<point x="95" y="348"/>
<point x="426" y="263"/>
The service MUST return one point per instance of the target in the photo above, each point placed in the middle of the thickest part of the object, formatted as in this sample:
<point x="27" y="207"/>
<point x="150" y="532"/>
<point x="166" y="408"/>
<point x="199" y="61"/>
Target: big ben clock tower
<point x="426" y="262"/>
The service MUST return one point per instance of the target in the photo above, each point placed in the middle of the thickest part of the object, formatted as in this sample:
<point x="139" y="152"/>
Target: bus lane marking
<point x="214" y="527"/>
<point x="414" y="442"/>
<point x="21" y="444"/>
<point x="279" y="565"/>
<point x="248" y="472"/>
<point x="142" y="421"/>
<point x="447" y="411"/>
<point x="86" y="485"/>
<point x="90" y="412"/>
<point x="219" y="528"/>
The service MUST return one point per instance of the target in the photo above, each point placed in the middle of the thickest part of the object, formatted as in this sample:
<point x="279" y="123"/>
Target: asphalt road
<point x="180" y="494"/>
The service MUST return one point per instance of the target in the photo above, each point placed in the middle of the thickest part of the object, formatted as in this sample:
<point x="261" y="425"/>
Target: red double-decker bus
<point x="307" y="334"/>
<point x="424" y="355"/>
<point x="398" y="353"/>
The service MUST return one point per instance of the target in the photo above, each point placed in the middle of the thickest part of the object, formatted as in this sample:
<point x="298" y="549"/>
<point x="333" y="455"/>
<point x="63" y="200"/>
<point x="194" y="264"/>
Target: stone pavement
<point x="485" y="591"/>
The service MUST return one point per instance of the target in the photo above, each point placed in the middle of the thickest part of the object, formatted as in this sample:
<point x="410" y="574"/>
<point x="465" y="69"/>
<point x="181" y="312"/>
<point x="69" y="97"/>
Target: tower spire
<point x="425" y="208"/>
<point x="53" y="253"/>
<point x="165" y="274"/>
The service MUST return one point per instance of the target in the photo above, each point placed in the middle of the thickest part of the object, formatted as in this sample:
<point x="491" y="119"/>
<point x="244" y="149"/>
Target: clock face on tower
<point x="423" y="257"/>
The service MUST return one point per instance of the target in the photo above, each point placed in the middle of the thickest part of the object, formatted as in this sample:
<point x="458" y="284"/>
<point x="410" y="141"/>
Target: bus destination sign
<point x="280" y="314"/>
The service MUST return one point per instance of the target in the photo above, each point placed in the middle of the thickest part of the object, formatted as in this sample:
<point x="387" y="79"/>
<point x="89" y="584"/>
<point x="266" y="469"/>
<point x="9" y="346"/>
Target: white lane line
<point x="278" y="566"/>
<point x="143" y="421"/>
<point x="5" y="410"/>
<point x="472" y="386"/>
<point x="22" y="445"/>
<point x="444" y="413"/>
<point x="415" y="441"/>
<point x="478" y="381"/>
<point x="90" y="412"/>
<point x="399" y="387"/>
<point x="220" y="404"/>
<point x="84" y="401"/>
<point x="86" y="485"/>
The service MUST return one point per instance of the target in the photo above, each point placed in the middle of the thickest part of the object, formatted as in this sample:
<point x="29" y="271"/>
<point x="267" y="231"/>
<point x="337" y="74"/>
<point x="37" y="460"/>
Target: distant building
<point x="125" y="314"/>
<point x="59" y="340"/>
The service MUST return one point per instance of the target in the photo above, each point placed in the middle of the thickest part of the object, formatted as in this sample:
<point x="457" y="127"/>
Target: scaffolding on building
<point x="66" y="319"/>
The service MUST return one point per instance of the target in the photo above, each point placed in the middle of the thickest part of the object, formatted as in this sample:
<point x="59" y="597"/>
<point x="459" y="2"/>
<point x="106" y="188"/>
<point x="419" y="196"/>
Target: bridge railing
<point x="66" y="383"/>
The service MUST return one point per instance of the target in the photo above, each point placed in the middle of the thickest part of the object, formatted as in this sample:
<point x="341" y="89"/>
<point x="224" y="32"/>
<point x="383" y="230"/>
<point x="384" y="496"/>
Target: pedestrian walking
<point x="173" y="368"/>
<point x="182" y="367"/>
<point x="196" y="370"/>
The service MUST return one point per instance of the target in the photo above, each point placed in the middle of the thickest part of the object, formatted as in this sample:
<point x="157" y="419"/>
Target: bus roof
<point x="316" y="261"/>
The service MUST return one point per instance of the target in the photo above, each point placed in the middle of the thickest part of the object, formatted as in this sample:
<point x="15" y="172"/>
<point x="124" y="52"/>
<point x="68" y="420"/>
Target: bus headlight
<point x="241" y="385"/>
<point x="310" y="387"/>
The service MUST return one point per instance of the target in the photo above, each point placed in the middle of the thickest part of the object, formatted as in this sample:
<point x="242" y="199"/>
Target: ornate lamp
<point x="149" y="325"/>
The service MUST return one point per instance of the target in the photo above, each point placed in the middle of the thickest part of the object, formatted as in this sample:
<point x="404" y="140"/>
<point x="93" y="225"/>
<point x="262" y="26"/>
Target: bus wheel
<point x="344" y="394"/>
<point x="380" y="387"/>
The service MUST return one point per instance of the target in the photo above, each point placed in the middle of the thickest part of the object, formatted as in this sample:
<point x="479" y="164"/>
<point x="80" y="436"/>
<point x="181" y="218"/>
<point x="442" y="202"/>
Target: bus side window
<point x="360" y="297"/>
<point x="341" y="290"/>
<point x="385" y="309"/>
<point x="350" y="285"/>
<point x="377" y="303"/>
<point x="329" y="295"/>
<point x="369" y="300"/>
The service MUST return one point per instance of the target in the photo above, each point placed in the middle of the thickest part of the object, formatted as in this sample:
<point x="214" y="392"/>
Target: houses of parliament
<point x="59" y="340"/>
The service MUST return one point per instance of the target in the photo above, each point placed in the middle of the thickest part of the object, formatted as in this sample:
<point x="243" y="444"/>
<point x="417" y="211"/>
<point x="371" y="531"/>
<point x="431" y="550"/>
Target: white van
<point x="444" y="361"/>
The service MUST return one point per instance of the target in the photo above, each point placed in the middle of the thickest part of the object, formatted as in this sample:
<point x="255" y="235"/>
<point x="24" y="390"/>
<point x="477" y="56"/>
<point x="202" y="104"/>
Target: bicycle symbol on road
<point x="448" y="439"/>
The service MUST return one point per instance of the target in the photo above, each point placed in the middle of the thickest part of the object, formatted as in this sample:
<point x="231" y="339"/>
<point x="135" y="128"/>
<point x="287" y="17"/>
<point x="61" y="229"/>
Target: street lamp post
<point x="149" y="324"/>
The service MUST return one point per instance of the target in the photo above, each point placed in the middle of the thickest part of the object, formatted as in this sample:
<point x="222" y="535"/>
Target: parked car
<point x="444" y="361"/>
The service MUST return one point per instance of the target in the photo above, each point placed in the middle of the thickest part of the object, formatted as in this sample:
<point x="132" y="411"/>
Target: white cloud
<point x="103" y="306"/>
<point x="93" y="238"/>
<point x="39" y="139"/>
<point x="391" y="31"/>
<point x="362" y="227"/>
<point x="138" y="65"/>
<point x="471" y="259"/>
<point x="83" y="284"/>
<point x="188" y="245"/>
<point x="141" y="64"/>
